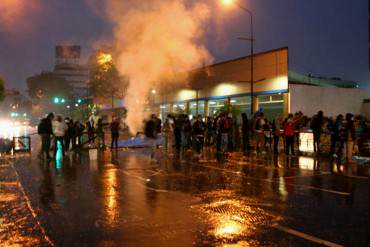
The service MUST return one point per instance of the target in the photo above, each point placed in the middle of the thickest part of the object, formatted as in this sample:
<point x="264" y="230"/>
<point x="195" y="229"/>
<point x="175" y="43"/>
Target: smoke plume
<point x="155" y="39"/>
<point x="15" y="14"/>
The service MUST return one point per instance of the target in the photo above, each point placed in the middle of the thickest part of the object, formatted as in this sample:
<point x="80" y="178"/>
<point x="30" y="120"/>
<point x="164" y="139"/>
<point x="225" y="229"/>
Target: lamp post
<point x="251" y="39"/>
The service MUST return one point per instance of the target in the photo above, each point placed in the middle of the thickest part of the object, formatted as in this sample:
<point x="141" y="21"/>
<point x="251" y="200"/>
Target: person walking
<point x="45" y="130"/>
<point x="316" y="127"/>
<point x="114" y="130"/>
<point x="289" y="135"/>
<point x="59" y="130"/>
<point x="245" y="132"/>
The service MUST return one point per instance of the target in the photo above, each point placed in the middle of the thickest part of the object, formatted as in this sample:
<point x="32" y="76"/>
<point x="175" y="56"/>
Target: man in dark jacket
<point x="45" y="130"/>
<point x="316" y="127"/>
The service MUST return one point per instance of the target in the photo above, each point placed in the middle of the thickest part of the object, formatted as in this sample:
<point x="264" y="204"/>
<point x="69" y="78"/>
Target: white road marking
<point x="302" y="176"/>
<point x="273" y="181"/>
<point x="306" y="236"/>
<point x="143" y="180"/>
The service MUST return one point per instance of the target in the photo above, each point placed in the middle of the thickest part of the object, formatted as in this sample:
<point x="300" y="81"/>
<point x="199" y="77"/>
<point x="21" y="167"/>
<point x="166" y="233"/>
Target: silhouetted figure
<point x="316" y="127"/>
<point x="245" y="132"/>
<point x="289" y="135"/>
<point x="45" y="130"/>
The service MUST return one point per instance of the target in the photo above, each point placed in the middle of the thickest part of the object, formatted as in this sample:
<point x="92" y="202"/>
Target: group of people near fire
<point x="225" y="132"/>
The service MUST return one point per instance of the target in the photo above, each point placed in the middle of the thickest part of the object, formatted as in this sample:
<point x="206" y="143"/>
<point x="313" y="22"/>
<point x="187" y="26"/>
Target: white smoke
<point x="155" y="39"/>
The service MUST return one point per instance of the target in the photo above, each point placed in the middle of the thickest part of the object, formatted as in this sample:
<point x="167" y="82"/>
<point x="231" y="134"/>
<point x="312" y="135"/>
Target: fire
<point x="104" y="58"/>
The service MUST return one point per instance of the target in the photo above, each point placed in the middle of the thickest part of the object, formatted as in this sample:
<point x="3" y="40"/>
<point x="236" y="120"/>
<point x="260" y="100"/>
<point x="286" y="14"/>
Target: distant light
<point x="56" y="100"/>
<point x="79" y="101"/>
<point x="227" y="2"/>
<point x="76" y="105"/>
<point x="68" y="106"/>
<point x="233" y="101"/>
<point x="154" y="91"/>
<point x="63" y="101"/>
<point x="24" y="114"/>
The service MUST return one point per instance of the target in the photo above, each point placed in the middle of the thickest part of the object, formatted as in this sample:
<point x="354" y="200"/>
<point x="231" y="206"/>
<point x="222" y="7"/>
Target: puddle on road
<point x="234" y="220"/>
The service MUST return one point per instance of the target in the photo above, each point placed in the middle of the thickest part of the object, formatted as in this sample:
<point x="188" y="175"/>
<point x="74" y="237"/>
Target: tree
<point x="2" y="89"/>
<point x="105" y="80"/>
<point x="48" y="85"/>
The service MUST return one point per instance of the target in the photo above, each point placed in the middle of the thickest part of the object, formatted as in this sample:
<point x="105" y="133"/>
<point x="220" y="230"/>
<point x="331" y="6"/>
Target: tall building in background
<point x="67" y="65"/>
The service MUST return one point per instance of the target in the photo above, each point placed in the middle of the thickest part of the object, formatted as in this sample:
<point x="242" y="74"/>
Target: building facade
<point x="276" y="89"/>
<point x="67" y="66"/>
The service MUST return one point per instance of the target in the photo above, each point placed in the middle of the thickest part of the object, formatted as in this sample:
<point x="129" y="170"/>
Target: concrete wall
<point x="332" y="100"/>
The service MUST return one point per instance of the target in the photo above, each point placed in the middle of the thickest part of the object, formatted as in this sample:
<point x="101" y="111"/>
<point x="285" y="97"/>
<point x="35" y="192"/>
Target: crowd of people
<point x="227" y="133"/>
<point x="67" y="134"/>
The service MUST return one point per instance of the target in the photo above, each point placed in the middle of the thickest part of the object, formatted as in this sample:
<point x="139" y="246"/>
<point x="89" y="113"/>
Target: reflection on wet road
<point x="128" y="199"/>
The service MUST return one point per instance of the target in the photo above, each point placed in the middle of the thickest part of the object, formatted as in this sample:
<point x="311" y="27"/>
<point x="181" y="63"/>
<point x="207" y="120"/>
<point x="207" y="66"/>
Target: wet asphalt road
<point x="128" y="199"/>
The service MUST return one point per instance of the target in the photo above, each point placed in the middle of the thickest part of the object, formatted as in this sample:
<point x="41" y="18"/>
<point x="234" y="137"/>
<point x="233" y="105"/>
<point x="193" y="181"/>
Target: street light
<point x="251" y="39"/>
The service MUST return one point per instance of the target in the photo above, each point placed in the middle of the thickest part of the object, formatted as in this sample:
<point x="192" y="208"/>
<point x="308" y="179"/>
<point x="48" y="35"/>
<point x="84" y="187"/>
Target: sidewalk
<point x="18" y="226"/>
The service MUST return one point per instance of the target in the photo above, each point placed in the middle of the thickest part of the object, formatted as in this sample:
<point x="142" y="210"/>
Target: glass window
<point x="214" y="106"/>
<point x="277" y="97"/>
<point x="273" y="107"/>
<point x="244" y="103"/>
<point x="179" y="108"/>
<point x="264" y="98"/>
<point x="164" y="110"/>
<point x="193" y="108"/>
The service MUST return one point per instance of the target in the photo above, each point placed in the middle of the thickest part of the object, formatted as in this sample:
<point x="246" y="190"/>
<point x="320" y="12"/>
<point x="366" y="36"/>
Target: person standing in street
<point x="245" y="132"/>
<point x="168" y="130"/>
<point x="198" y="134"/>
<point x="114" y="130"/>
<point x="223" y="128"/>
<point x="348" y="136"/>
<point x="276" y="124"/>
<point x="68" y="138"/>
<point x="316" y="127"/>
<point x="45" y="130"/>
<point x="334" y="127"/>
<point x="258" y="130"/>
<point x="59" y="130"/>
<point x="289" y="135"/>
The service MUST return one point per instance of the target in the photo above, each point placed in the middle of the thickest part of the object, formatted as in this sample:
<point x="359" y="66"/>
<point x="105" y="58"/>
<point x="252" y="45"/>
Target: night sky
<point x="325" y="38"/>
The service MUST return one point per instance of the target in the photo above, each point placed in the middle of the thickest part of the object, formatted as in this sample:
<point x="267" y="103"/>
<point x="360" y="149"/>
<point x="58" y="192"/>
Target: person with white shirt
<point x="59" y="131"/>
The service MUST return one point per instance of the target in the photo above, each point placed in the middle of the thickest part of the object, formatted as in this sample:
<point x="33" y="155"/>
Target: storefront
<point x="214" y="88"/>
